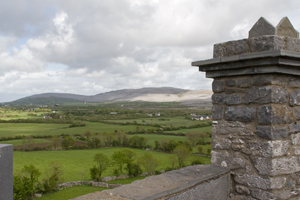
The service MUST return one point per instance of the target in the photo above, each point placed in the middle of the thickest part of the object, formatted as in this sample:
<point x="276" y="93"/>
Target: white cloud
<point x="91" y="46"/>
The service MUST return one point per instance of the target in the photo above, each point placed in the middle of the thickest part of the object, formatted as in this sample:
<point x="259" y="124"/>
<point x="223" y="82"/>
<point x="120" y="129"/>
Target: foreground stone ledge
<point x="6" y="174"/>
<point x="193" y="182"/>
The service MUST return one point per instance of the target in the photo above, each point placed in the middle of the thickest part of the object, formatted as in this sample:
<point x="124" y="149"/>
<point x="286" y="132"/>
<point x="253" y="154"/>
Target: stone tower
<point x="256" y="111"/>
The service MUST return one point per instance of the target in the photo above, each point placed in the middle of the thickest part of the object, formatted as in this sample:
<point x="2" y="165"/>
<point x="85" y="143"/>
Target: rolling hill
<point x="162" y="94"/>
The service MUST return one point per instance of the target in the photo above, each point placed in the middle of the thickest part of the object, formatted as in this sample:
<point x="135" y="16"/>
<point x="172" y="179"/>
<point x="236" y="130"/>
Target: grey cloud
<point x="108" y="45"/>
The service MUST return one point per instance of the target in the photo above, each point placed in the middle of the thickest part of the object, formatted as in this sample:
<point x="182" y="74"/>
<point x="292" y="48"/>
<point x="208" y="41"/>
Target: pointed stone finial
<point x="262" y="27"/>
<point x="285" y="28"/>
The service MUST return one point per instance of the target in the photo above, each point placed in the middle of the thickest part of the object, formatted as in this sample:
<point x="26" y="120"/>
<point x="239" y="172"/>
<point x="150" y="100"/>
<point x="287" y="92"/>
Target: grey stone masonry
<point x="256" y="111"/>
<point x="201" y="182"/>
<point x="6" y="173"/>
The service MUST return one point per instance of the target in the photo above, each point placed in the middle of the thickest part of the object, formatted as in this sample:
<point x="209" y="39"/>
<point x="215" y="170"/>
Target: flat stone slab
<point x="164" y="185"/>
<point x="100" y="196"/>
<point x="274" y="61"/>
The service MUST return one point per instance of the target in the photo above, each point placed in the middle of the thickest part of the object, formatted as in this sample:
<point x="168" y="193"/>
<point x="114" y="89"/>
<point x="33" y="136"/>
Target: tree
<point x="94" y="142"/>
<point x="142" y="142"/>
<point x="54" y="177"/>
<point x="157" y="145"/>
<point x="193" y="137"/>
<point x="149" y="162"/>
<point x="203" y="137"/>
<point x="133" y="169"/>
<point x="173" y="161"/>
<point x="208" y="151"/>
<point x="25" y="183"/>
<point x="108" y="138"/>
<point x="130" y="155"/>
<point x="56" y="142"/>
<point x="28" y="142"/>
<point x="200" y="149"/>
<point x="103" y="163"/>
<point x="67" y="142"/>
<point x="119" y="159"/>
<point x="87" y="134"/>
<point x="182" y="153"/>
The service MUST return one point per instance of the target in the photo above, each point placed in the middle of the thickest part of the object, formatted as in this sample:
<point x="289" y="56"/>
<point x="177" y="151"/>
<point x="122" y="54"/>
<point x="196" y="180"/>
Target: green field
<point x="14" y="129"/>
<point x="20" y="142"/>
<point x="166" y="121"/>
<point x="152" y="137"/>
<point x="21" y="115"/>
<point x="75" y="162"/>
<point x="202" y="129"/>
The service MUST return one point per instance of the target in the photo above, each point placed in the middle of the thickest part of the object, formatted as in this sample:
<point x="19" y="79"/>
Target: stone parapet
<point x="194" y="182"/>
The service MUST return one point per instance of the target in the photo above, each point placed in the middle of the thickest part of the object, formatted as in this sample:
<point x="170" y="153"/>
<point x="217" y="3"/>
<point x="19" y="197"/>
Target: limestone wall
<point x="201" y="182"/>
<point x="257" y="134"/>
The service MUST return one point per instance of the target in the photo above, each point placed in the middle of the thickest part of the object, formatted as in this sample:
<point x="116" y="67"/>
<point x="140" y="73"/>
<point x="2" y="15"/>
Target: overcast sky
<point x="90" y="46"/>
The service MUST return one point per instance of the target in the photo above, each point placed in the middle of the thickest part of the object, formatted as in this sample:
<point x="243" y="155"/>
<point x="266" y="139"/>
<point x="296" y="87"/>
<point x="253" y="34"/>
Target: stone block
<point x="293" y="44"/>
<point x="294" y="83"/>
<point x="233" y="90"/>
<point x="295" y="139"/>
<point x="224" y="159"/>
<point x="220" y="143"/>
<point x="274" y="114"/>
<point x="272" y="132"/>
<point x="219" y="98"/>
<point x="243" y="114"/>
<point x="263" y="80"/>
<point x="220" y="50"/>
<point x="237" y="47"/>
<point x="233" y="99"/>
<point x="266" y="94"/>
<point x="262" y="27"/>
<point x="234" y="128"/>
<point x="266" y="43"/>
<point x="266" y="195"/>
<point x="243" y="83"/>
<point x="261" y="194"/>
<point x="277" y="166"/>
<point x="230" y="82"/>
<point x="270" y="148"/>
<point x="297" y="150"/>
<point x="217" y="112"/>
<point x="242" y="189"/>
<point x="297" y="112"/>
<point x="294" y="128"/>
<point x="218" y="86"/>
<point x="259" y="182"/>
<point x="295" y="98"/>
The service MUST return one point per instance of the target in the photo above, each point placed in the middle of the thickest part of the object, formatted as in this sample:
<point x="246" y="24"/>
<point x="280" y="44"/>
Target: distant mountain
<point x="162" y="94"/>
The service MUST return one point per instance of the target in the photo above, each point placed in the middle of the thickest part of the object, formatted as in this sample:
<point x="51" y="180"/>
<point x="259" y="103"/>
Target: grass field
<point x="158" y="137"/>
<point x="20" y="142"/>
<point x="21" y="115"/>
<point x="75" y="162"/>
<point x="168" y="121"/>
<point x="70" y="192"/>
<point x="203" y="129"/>
<point x="14" y="129"/>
